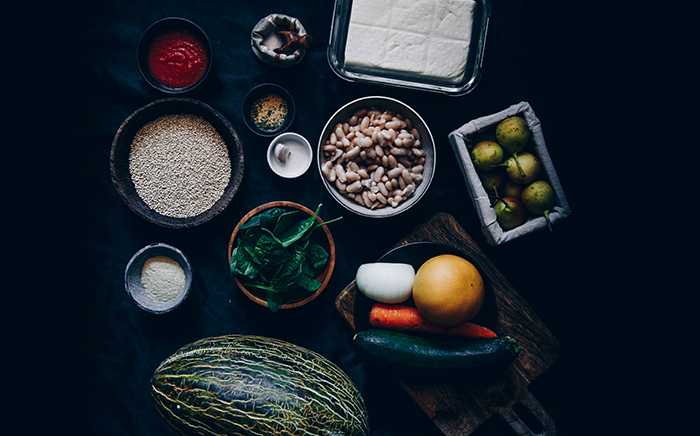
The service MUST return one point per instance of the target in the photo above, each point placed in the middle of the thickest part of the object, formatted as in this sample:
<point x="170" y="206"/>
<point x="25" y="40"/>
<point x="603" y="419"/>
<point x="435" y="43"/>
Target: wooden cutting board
<point x="457" y="409"/>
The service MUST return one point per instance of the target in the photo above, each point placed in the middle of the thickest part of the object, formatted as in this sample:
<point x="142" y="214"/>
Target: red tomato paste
<point x="177" y="59"/>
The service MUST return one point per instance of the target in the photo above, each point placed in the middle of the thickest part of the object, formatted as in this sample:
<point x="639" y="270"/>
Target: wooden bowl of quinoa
<point x="268" y="110"/>
<point x="176" y="162"/>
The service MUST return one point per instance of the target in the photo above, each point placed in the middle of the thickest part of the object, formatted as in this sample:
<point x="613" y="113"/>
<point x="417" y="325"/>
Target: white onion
<point x="385" y="282"/>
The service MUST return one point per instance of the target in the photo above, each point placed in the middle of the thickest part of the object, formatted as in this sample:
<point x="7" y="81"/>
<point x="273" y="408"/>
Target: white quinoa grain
<point x="179" y="165"/>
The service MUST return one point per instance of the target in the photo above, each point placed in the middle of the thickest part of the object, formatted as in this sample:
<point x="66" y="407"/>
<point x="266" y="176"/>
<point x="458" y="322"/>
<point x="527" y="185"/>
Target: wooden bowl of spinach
<point x="281" y="254"/>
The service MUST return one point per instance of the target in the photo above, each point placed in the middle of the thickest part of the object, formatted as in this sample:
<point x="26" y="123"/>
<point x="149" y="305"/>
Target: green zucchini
<point x="418" y="358"/>
<point x="251" y="385"/>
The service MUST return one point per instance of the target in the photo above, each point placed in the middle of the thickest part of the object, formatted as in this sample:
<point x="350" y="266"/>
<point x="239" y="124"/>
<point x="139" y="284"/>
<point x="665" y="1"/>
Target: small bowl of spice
<point x="268" y="110"/>
<point x="174" y="55"/>
<point x="158" y="278"/>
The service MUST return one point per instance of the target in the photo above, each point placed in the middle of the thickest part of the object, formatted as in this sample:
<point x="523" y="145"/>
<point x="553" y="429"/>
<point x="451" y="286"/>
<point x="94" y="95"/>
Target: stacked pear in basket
<point x="510" y="173"/>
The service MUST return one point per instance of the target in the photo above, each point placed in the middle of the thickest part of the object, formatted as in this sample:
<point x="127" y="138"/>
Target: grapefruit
<point x="448" y="290"/>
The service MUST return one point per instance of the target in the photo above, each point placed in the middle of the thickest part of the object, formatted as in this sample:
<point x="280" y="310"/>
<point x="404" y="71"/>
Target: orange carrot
<point x="407" y="318"/>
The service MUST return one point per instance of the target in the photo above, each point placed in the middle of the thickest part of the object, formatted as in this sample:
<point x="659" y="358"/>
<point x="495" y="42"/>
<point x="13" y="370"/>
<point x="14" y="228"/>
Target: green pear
<point x="538" y="198"/>
<point x="510" y="212"/>
<point x="486" y="155"/>
<point x="492" y="180"/>
<point x="513" y="134"/>
<point x="523" y="169"/>
<point x="512" y="189"/>
<point x="488" y="134"/>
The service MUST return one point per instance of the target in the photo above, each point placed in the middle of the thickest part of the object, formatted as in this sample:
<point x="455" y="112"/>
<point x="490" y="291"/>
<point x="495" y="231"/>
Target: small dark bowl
<point x="256" y="93"/>
<point x="121" y="147"/>
<point x="157" y="28"/>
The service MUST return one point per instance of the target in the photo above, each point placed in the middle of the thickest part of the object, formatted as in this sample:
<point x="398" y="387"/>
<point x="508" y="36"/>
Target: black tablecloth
<point x="532" y="54"/>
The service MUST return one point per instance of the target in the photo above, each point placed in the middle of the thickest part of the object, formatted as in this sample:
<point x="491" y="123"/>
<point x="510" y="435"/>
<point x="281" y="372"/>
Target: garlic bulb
<point x="385" y="282"/>
<point x="282" y="152"/>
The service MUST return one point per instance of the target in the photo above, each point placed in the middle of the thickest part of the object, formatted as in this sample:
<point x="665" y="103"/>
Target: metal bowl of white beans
<point x="376" y="156"/>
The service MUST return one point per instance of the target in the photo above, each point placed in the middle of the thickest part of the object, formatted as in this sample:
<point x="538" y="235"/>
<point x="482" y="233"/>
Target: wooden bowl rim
<point x="326" y="274"/>
<point x="151" y="111"/>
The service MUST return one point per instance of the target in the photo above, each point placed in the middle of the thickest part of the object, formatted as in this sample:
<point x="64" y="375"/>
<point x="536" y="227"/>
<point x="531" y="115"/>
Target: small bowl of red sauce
<point x="174" y="55"/>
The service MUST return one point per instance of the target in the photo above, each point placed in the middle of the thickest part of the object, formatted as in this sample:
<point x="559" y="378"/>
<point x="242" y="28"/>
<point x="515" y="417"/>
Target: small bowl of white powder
<point x="158" y="278"/>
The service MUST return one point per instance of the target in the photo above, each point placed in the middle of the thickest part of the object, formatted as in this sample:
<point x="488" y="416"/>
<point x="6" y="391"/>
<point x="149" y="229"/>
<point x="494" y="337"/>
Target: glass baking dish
<point x="401" y="79"/>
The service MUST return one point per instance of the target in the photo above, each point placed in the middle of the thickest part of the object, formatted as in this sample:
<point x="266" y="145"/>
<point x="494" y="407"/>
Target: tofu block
<point x="425" y="37"/>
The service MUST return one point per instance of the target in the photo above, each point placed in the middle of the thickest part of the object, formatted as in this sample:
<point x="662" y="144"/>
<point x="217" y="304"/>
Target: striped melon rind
<point x="253" y="386"/>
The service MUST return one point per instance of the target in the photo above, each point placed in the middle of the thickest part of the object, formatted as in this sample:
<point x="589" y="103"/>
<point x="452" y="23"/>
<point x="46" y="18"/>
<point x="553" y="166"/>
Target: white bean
<point x="352" y="176"/>
<point x="377" y="174"/>
<point x="393" y="124"/>
<point x="340" y="173"/>
<point x="394" y="173"/>
<point x="364" y="124"/>
<point x="326" y="171"/>
<point x="352" y="153"/>
<point x="360" y="113"/>
<point x="354" y="187"/>
<point x="405" y="162"/>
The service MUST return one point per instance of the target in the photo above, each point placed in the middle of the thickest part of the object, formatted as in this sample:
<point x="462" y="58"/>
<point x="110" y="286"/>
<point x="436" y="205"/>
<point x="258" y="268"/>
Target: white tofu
<point x="364" y="49"/>
<point x="426" y="37"/>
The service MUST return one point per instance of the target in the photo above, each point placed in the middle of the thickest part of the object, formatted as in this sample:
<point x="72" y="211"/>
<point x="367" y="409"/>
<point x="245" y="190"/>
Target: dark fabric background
<point x="536" y="51"/>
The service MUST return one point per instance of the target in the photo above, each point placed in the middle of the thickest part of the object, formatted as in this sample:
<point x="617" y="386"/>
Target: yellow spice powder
<point x="269" y="111"/>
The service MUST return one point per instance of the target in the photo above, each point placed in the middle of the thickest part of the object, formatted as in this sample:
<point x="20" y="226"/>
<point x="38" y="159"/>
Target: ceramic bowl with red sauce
<point x="174" y="55"/>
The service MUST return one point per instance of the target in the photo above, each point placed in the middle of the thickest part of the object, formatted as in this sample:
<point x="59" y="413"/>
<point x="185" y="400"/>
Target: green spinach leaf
<point x="269" y="250"/>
